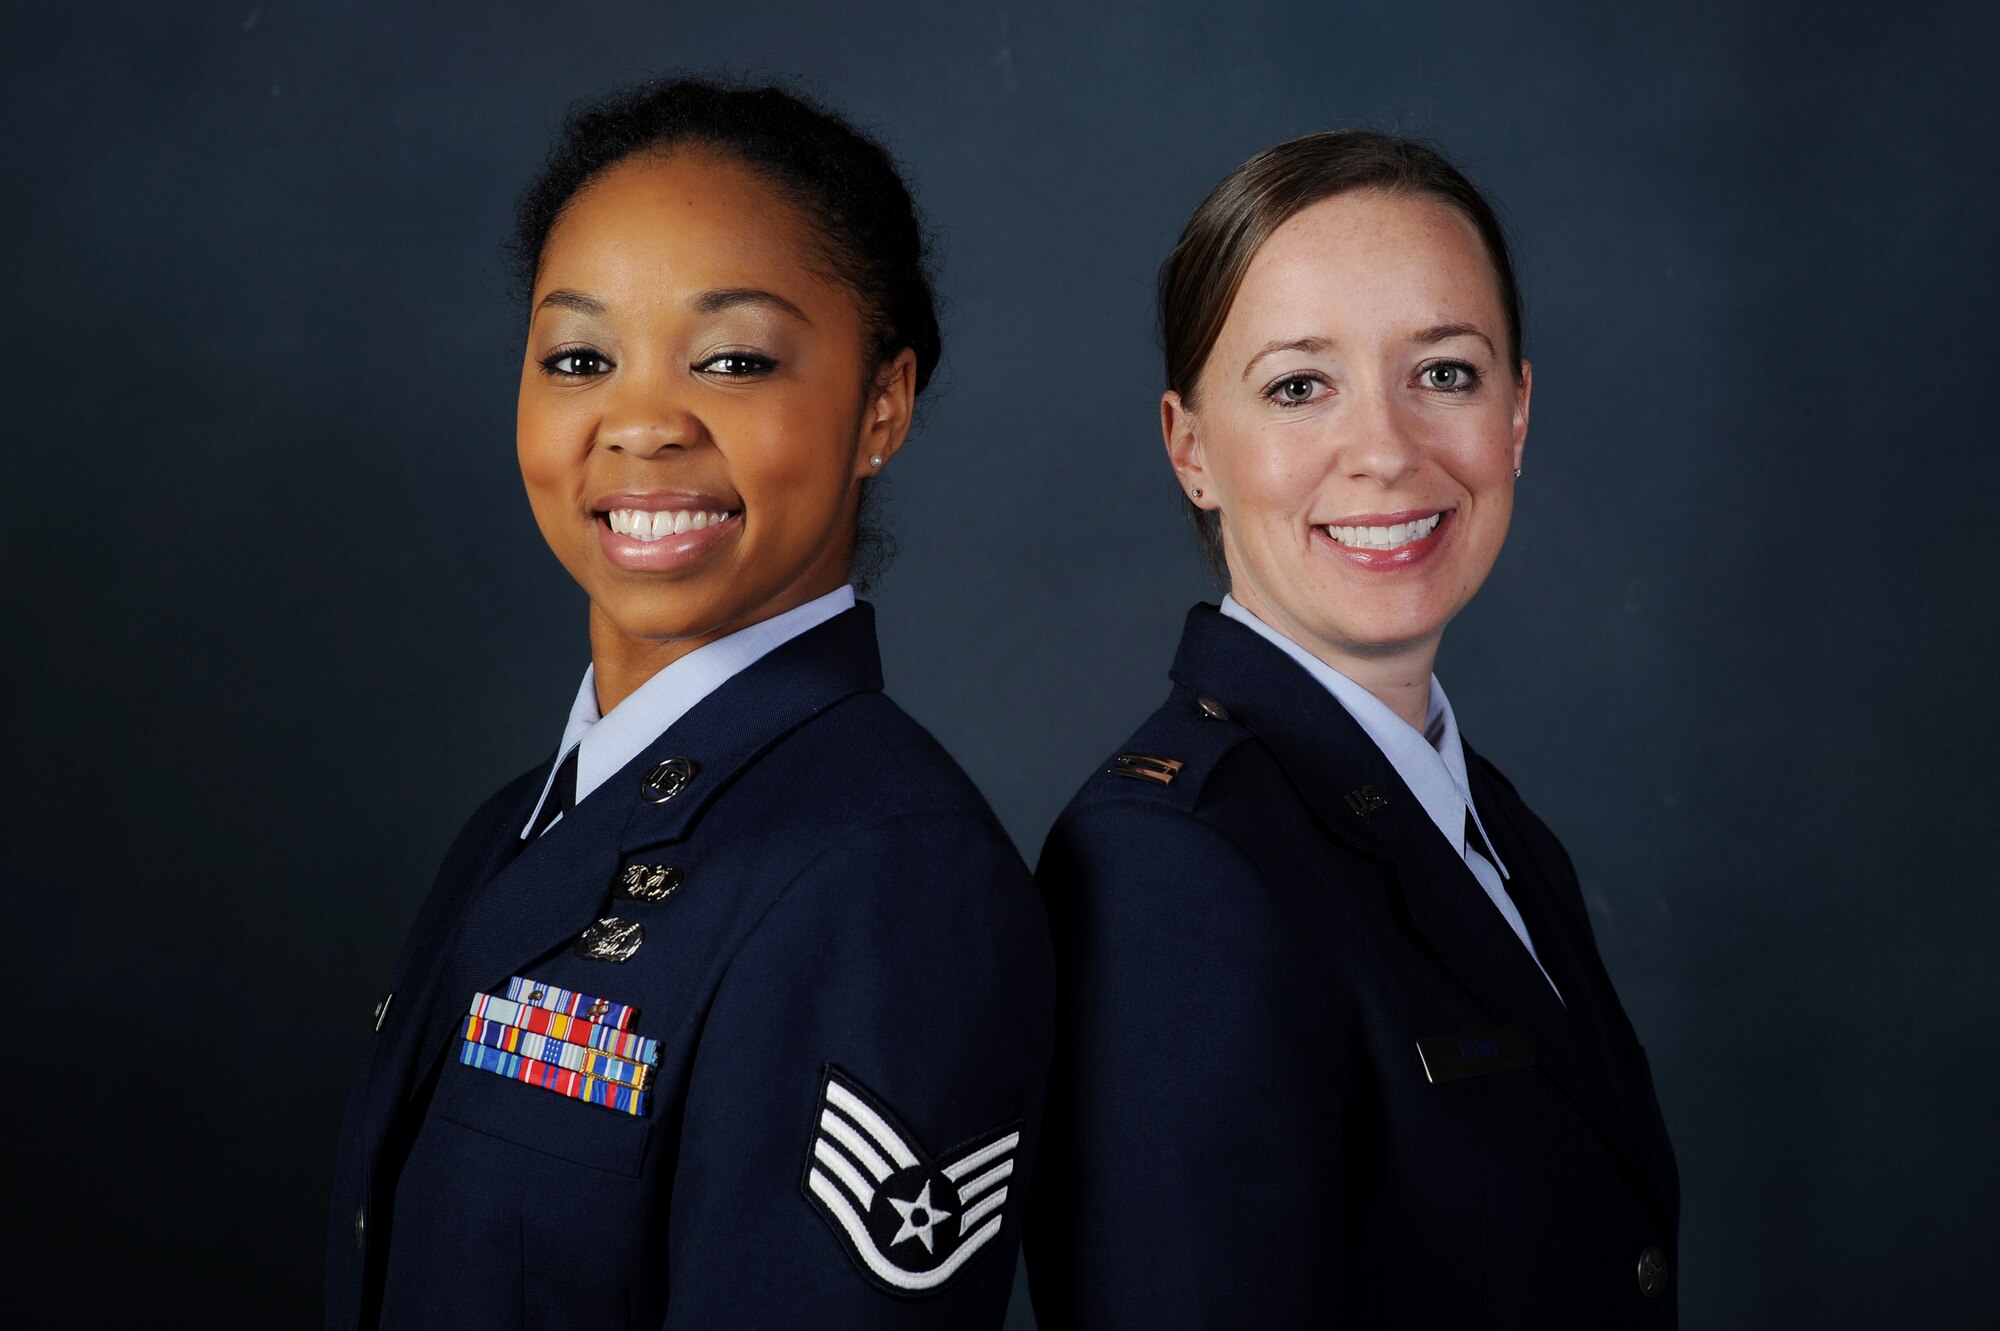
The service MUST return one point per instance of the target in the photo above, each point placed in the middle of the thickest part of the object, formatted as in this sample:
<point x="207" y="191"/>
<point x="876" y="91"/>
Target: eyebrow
<point x="715" y="302"/>
<point x="1446" y="332"/>
<point x="564" y="298"/>
<point x="1312" y="346"/>
<point x="708" y="302"/>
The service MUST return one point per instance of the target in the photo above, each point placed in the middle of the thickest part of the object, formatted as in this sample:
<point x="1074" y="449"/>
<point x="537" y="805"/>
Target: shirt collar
<point x="1431" y="763"/>
<point x="611" y="740"/>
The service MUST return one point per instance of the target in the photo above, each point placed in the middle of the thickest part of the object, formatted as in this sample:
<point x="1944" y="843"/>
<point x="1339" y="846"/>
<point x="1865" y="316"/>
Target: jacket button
<point x="1652" y="1271"/>
<point x="361" y="1228"/>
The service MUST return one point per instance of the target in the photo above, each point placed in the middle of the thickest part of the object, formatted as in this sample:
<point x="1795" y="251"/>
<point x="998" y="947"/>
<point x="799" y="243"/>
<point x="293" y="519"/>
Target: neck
<point x="1401" y="683"/>
<point x="1398" y="677"/>
<point x="623" y="661"/>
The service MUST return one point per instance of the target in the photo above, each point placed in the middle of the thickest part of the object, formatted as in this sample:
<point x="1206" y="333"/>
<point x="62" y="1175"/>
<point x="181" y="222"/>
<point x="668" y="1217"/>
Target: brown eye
<point x="736" y="365"/>
<point x="576" y="364"/>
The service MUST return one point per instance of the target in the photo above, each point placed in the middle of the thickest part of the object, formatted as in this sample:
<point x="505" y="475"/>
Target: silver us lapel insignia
<point x="908" y="1221"/>
<point x="1366" y="800"/>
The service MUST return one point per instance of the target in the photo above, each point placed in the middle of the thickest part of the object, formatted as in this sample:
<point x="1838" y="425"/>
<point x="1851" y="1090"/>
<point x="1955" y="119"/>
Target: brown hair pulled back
<point x="1199" y="280"/>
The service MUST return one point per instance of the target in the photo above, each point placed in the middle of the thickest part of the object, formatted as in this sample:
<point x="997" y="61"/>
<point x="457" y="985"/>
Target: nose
<point x="1382" y="444"/>
<point x="644" y="419"/>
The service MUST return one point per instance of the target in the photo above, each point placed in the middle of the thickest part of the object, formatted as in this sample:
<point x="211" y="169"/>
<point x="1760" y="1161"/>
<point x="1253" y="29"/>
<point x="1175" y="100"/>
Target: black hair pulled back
<point x="844" y="184"/>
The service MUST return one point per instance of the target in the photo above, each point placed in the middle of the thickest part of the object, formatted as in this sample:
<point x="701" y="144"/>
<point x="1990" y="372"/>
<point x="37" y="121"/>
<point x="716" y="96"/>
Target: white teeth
<point x="650" y="525"/>
<point x="1385" y="538"/>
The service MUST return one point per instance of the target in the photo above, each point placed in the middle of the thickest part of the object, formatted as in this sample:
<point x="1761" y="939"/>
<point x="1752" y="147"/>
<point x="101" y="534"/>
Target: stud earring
<point x="1197" y="492"/>
<point x="1517" y="473"/>
<point x="876" y="461"/>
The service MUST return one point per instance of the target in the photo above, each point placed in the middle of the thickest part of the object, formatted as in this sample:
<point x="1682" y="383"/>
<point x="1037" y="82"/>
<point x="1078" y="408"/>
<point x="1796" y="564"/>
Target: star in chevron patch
<point x="909" y="1221"/>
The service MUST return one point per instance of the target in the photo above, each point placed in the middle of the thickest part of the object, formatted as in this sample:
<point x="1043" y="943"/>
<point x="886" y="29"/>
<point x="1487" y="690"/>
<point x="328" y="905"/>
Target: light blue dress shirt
<point x="1431" y="763"/>
<point x="611" y="740"/>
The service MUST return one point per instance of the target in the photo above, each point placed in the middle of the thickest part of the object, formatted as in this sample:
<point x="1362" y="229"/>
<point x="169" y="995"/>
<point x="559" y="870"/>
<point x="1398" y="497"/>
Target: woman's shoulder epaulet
<point x="1170" y="757"/>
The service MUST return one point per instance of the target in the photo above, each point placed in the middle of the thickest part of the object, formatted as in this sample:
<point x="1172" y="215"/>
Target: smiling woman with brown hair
<point x="735" y="1011"/>
<point x="1334" y="1043"/>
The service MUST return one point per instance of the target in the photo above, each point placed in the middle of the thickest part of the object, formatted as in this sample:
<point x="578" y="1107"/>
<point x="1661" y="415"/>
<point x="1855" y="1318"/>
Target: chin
<point x="662" y="618"/>
<point x="1385" y="636"/>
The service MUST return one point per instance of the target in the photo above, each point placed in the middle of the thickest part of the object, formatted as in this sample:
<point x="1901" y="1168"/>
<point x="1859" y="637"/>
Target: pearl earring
<point x="876" y="461"/>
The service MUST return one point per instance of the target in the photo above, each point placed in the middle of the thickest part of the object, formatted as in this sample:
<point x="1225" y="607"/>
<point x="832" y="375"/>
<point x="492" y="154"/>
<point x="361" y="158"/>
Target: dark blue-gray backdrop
<point x="278" y="617"/>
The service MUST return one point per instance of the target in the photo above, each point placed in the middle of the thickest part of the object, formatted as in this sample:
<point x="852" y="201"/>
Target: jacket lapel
<point x="1472" y="940"/>
<point x="1329" y="759"/>
<point x="751" y="714"/>
<point x="431" y="936"/>
<point x="546" y="895"/>
<point x="1566" y="948"/>
<point x="554" y="888"/>
<point x="1334" y="766"/>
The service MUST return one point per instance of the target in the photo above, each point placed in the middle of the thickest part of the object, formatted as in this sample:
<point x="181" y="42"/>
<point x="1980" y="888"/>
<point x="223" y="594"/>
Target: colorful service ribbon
<point x="598" y="1011"/>
<point x="549" y="1049"/>
<point x="541" y="1021"/>
<point x="563" y="1081"/>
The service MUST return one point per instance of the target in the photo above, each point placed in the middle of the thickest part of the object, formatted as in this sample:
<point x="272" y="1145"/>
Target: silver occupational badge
<point x="909" y="1222"/>
<point x="610" y="939"/>
<point x="648" y="882"/>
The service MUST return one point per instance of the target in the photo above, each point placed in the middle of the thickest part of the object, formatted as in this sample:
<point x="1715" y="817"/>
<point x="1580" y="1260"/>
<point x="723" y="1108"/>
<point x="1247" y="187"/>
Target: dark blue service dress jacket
<point x="850" y="990"/>
<point x="1242" y="1129"/>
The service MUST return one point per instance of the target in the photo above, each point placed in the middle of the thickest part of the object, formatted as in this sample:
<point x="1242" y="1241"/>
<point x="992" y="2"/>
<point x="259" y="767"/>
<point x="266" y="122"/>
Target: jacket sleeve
<point x="1190" y="1174"/>
<point x="909" y="965"/>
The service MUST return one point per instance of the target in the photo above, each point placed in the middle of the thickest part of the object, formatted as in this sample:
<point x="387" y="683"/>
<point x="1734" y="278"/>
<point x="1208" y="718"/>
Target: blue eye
<point x="1450" y="376"/>
<point x="580" y="363"/>
<point x="736" y="365"/>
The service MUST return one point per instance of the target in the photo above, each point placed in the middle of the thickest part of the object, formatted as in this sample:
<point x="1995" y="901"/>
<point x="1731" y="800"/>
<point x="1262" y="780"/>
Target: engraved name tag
<point x="1475" y="1053"/>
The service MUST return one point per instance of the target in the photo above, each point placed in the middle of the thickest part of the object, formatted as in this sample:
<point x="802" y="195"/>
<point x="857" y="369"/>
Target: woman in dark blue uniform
<point x="1334" y="1045"/>
<point x="736" y="1011"/>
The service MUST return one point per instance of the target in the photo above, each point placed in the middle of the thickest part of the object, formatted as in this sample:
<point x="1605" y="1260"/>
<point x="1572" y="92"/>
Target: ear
<point x="885" y="419"/>
<point x="1183" y="440"/>
<point x="1521" y="394"/>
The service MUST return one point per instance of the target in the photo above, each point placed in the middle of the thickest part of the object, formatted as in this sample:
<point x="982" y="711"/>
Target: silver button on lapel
<point x="667" y="780"/>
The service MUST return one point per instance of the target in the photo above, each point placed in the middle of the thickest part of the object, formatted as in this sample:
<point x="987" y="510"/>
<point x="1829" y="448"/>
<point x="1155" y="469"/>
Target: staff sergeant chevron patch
<point x="909" y="1222"/>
